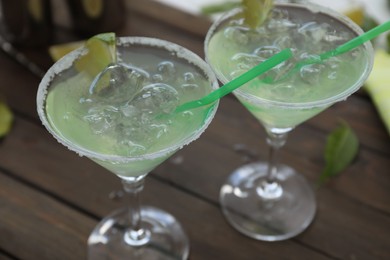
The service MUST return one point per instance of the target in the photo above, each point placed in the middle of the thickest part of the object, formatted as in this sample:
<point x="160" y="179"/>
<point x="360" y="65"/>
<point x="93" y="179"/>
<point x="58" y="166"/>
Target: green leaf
<point x="5" y="119"/>
<point x="341" y="148"/>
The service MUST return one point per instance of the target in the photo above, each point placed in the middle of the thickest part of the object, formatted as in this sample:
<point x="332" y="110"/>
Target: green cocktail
<point x="131" y="118"/>
<point x="123" y="119"/>
<point x="262" y="200"/>
<point x="293" y="98"/>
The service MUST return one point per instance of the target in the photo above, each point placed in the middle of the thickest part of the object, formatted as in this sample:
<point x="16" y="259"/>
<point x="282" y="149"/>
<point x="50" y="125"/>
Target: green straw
<point x="237" y="82"/>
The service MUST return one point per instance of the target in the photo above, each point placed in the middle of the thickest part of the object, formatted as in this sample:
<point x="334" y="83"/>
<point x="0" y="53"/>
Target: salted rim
<point x="67" y="61"/>
<point x="315" y="8"/>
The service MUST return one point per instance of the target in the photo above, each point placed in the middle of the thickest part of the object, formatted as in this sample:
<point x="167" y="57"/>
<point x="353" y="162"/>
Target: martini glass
<point x="123" y="119"/>
<point x="267" y="200"/>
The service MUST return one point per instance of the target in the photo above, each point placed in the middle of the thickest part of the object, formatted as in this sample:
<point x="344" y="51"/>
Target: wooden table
<point x="50" y="198"/>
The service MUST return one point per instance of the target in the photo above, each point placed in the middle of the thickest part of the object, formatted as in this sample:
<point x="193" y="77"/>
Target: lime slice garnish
<point x="5" y="119"/>
<point x="101" y="53"/>
<point x="256" y="11"/>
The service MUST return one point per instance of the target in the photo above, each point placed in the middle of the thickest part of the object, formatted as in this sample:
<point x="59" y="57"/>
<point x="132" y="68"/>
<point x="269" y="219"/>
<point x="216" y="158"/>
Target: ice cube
<point x="189" y="77"/>
<point x="333" y="63"/>
<point x="266" y="52"/>
<point x="314" y="33"/>
<point x="236" y="73"/>
<point x="337" y="37"/>
<point x="158" y="130"/>
<point x="132" y="130"/>
<point x="117" y="83"/>
<point x="189" y="82"/>
<point x="237" y="35"/>
<point x="101" y="118"/>
<point x="167" y="70"/>
<point x="128" y="110"/>
<point x="245" y="62"/>
<point x="132" y="147"/>
<point x="156" y="98"/>
<point x="280" y="25"/>
<point x="311" y="74"/>
<point x="156" y="78"/>
<point x="284" y="42"/>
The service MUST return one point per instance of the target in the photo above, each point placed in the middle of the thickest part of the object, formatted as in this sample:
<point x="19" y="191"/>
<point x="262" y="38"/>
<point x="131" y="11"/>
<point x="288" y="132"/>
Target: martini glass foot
<point x="267" y="211"/>
<point x="160" y="237"/>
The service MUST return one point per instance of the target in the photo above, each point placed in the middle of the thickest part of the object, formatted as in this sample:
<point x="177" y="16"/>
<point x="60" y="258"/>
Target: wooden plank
<point x="34" y="226"/>
<point x="348" y="228"/>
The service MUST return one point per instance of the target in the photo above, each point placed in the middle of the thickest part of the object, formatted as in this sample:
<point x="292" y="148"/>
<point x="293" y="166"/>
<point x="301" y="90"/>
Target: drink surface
<point x="127" y="110"/>
<point x="290" y="99"/>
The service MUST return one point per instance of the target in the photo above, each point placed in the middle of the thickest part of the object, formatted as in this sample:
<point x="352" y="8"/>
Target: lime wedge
<point x="256" y="11"/>
<point x="5" y="119"/>
<point x="101" y="53"/>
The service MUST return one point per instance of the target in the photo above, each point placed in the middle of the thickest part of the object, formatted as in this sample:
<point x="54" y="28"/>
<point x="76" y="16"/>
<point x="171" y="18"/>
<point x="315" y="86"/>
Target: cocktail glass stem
<point x="136" y="235"/>
<point x="269" y="187"/>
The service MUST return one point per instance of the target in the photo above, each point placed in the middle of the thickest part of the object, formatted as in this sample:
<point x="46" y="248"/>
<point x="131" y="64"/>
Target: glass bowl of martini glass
<point x="267" y="200"/>
<point x="124" y="119"/>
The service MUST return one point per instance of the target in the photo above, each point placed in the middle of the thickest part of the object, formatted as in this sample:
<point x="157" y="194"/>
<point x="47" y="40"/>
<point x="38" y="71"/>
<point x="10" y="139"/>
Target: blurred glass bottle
<point x="26" y="22"/>
<point x="90" y="17"/>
